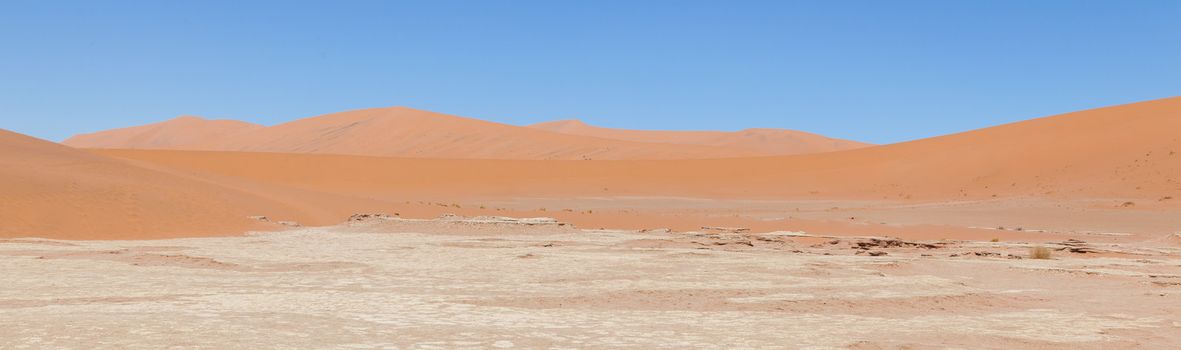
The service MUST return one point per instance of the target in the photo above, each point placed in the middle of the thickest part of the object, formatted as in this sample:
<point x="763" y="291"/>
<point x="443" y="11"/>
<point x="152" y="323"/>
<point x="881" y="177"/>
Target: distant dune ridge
<point x="1129" y="152"/>
<point x="763" y="141"/>
<point x="406" y="132"/>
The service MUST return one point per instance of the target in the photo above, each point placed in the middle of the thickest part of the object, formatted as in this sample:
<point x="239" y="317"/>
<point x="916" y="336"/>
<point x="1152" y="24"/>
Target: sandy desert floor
<point x="452" y="282"/>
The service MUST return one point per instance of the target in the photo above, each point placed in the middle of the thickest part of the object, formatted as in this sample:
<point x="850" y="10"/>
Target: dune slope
<point x="762" y="141"/>
<point x="54" y="191"/>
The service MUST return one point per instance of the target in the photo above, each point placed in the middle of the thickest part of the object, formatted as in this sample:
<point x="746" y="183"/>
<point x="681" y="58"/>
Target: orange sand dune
<point x="50" y="190"/>
<point x="762" y="141"/>
<point x="1123" y="153"/>
<point x="184" y="132"/>
<point x="395" y="132"/>
<point x="1129" y="151"/>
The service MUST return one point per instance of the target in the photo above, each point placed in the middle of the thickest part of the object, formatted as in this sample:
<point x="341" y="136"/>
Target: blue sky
<point x="876" y="71"/>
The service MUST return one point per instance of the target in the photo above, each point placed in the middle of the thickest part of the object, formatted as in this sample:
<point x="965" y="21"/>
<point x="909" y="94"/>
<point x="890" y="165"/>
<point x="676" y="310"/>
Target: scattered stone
<point x="768" y="239"/>
<point x="738" y="242"/>
<point x="366" y="217"/>
<point x="1077" y="246"/>
<point x="893" y="243"/>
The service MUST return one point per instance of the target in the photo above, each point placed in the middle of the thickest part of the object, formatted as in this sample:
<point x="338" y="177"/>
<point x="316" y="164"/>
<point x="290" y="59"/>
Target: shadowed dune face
<point x="762" y="141"/>
<point x="1128" y="151"/>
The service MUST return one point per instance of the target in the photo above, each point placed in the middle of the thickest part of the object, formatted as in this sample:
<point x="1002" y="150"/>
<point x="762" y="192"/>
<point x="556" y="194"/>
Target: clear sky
<point x="876" y="71"/>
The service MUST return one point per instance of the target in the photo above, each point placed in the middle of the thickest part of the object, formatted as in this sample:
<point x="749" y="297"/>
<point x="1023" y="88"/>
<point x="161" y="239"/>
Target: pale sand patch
<point x="340" y="287"/>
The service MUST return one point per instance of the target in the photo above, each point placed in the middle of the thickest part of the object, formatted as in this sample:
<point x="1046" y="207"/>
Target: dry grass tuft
<point x="1039" y="253"/>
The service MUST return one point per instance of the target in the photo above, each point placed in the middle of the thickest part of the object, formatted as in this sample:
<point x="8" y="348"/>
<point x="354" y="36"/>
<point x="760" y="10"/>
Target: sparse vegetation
<point x="1039" y="252"/>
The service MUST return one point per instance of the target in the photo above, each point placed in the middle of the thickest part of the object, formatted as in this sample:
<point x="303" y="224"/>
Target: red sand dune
<point x="184" y="132"/>
<point x="761" y="141"/>
<point x="393" y="132"/>
<point x="1129" y="151"/>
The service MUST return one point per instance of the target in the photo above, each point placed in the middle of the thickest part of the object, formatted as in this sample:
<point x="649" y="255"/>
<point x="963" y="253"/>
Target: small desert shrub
<point x="994" y="240"/>
<point x="1039" y="253"/>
